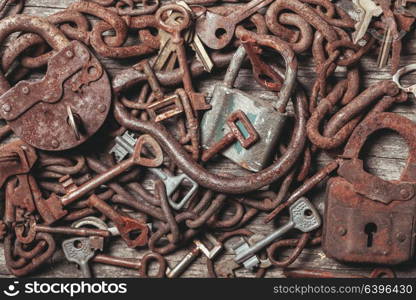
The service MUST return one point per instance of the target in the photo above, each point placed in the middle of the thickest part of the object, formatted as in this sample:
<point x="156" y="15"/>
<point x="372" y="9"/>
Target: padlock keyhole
<point x="370" y="229"/>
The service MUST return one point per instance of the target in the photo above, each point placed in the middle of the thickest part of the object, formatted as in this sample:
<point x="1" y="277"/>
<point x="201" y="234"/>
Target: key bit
<point x="79" y="251"/>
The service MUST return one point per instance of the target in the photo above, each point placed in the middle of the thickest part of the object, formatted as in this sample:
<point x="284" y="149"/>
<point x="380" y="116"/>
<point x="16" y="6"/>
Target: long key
<point x="135" y="159"/>
<point x="197" y="99"/>
<point x="79" y="251"/>
<point x="303" y="216"/>
<point x="192" y="255"/>
<point x="27" y="235"/>
<point x="216" y="31"/>
<point x="52" y="209"/>
<point x="367" y="9"/>
<point x="125" y="145"/>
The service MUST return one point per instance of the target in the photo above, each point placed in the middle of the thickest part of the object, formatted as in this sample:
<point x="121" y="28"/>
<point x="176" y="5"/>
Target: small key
<point x="216" y="31"/>
<point x="303" y="216"/>
<point x="233" y="135"/>
<point x="125" y="146"/>
<point x="193" y="255"/>
<point x="367" y="9"/>
<point x="79" y="251"/>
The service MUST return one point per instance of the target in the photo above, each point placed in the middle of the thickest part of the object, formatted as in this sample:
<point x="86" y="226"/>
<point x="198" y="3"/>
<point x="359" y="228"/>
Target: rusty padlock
<point x="68" y="105"/>
<point x="226" y="100"/>
<point x="368" y="219"/>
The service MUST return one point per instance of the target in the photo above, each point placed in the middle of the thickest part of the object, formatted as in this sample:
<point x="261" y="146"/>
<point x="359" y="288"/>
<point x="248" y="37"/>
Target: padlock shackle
<point x="386" y="120"/>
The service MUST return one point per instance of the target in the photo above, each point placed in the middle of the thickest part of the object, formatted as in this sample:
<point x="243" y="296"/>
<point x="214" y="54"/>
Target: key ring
<point x="174" y="29"/>
<point x="405" y="70"/>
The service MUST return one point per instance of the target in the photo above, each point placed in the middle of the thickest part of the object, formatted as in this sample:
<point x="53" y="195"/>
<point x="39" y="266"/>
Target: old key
<point x="52" y="208"/>
<point x="367" y="10"/>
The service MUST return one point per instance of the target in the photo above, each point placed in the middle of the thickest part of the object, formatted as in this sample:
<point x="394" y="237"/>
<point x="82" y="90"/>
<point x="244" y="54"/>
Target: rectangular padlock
<point x="265" y="119"/>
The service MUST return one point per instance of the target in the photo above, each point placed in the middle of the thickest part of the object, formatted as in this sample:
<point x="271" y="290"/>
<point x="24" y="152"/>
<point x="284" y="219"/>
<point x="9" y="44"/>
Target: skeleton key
<point x="79" y="251"/>
<point x="167" y="54"/>
<point x="125" y="146"/>
<point x="234" y="134"/>
<point x="192" y="255"/>
<point x="216" y="31"/>
<point x="303" y="216"/>
<point x="367" y="9"/>
<point x="137" y="158"/>
<point x="197" y="99"/>
<point x="132" y="231"/>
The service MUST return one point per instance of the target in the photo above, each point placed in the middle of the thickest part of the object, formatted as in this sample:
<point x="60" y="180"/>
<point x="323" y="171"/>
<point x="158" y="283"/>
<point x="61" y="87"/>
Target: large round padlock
<point x="68" y="105"/>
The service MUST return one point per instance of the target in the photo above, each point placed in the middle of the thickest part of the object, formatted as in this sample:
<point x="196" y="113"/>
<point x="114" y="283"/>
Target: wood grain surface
<point x="385" y="156"/>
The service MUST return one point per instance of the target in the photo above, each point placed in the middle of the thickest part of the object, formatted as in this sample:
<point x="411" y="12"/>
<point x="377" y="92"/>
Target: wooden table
<point x="385" y="156"/>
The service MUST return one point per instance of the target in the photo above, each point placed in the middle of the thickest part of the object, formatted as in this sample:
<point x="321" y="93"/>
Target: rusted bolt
<point x="25" y="90"/>
<point x="55" y="143"/>
<point x="404" y="193"/>
<point x="7" y="107"/>
<point x="342" y="231"/>
<point x="69" y="54"/>
<point x="102" y="108"/>
<point x="401" y="237"/>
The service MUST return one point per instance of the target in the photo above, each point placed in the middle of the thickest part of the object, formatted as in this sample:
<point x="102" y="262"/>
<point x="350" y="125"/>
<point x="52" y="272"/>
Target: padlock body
<point x="264" y="118"/>
<point x="360" y="230"/>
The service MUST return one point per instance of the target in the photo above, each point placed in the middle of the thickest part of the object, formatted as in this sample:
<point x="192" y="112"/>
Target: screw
<point x="25" y="90"/>
<point x="55" y="144"/>
<point x="102" y="108"/>
<point x="404" y="193"/>
<point x="7" y="107"/>
<point x="401" y="237"/>
<point x="69" y="54"/>
<point x="342" y="231"/>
